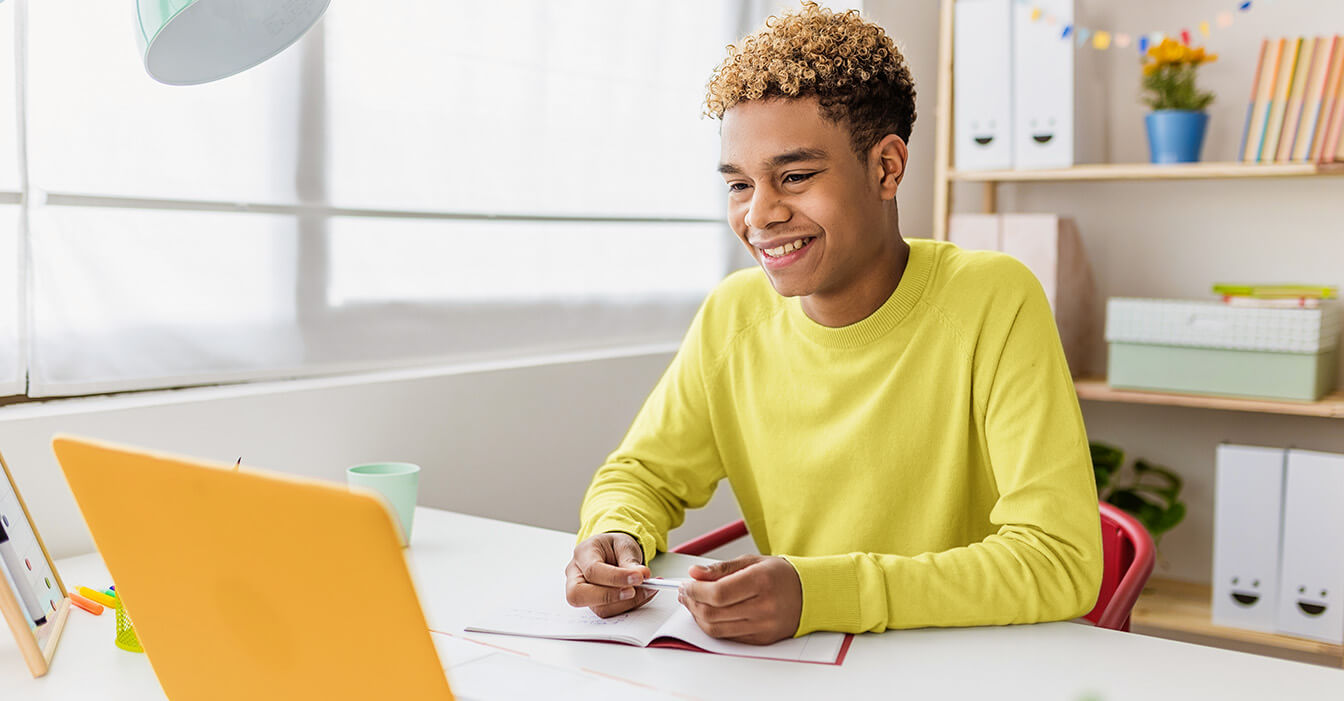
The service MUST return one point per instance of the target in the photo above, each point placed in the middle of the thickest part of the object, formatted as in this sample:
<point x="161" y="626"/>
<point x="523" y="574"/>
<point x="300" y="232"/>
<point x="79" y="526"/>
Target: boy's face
<point x="809" y="211"/>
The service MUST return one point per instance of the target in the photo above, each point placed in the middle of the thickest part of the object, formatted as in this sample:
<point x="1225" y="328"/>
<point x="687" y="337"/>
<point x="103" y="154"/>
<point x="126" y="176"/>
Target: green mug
<point x="397" y="482"/>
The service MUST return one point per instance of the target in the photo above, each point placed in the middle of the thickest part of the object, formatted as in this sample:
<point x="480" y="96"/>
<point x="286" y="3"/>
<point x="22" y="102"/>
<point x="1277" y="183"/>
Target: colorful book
<point x="1332" y="106"/>
<point x="1262" y="94"/>
<point x="1283" y="85"/>
<point x="1273" y="302"/>
<point x="1308" y="131"/>
<point x="1271" y="291"/>
<point x="1292" y="111"/>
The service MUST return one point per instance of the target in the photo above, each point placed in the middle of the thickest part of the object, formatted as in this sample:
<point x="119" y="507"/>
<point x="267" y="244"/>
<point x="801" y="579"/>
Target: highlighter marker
<point x="94" y="595"/>
<point x="92" y="607"/>
<point x="13" y="564"/>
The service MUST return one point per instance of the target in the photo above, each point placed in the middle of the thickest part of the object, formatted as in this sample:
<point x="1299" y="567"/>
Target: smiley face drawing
<point x="1245" y="598"/>
<point x="1042" y="135"/>
<point x="983" y="136"/>
<point x="1311" y="608"/>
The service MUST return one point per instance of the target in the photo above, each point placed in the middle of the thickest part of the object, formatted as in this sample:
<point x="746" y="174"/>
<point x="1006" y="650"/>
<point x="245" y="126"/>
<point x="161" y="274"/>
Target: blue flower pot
<point x="1176" y="136"/>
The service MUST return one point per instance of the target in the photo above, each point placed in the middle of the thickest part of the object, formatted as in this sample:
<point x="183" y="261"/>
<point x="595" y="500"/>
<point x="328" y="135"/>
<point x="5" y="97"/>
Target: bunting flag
<point x="1104" y="39"/>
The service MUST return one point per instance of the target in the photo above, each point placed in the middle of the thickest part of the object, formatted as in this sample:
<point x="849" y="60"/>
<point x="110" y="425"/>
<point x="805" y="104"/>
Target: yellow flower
<point x="1150" y="68"/>
<point x="1172" y="51"/>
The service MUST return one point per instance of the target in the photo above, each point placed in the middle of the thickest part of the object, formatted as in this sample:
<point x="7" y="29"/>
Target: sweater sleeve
<point x="667" y="462"/>
<point x="1044" y="561"/>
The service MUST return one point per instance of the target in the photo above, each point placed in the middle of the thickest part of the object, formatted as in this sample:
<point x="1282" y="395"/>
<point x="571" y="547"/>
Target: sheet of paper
<point x="553" y="617"/>
<point x="814" y="647"/>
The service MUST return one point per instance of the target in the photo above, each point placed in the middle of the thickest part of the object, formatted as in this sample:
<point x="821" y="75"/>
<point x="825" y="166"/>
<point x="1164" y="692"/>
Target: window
<point x="404" y="185"/>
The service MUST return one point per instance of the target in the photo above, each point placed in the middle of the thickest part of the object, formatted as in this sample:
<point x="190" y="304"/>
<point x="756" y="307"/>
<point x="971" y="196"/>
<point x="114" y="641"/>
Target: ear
<point x="888" y="157"/>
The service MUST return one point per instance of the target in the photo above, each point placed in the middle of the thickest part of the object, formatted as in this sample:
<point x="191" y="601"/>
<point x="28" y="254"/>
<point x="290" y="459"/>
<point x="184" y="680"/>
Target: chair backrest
<point x="1127" y="553"/>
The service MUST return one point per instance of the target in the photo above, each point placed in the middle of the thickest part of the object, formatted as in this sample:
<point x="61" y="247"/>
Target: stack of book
<point x="1274" y="296"/>
<point x="1296" y="111"/>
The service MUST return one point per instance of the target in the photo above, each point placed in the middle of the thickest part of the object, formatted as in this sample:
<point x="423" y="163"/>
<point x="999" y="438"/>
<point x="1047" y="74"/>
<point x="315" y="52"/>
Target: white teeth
<point x="789" y="247"/>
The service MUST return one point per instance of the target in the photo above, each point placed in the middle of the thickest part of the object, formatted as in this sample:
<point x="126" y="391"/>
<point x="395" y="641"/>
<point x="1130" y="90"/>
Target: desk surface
<point x="464" y="564"/>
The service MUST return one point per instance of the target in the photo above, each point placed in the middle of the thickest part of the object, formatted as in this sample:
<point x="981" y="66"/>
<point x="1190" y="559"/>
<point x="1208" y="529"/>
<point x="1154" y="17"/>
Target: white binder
<point x="982" y="85"/>
<point x="1247" y="517"/>
<point x="1313" y="562"/>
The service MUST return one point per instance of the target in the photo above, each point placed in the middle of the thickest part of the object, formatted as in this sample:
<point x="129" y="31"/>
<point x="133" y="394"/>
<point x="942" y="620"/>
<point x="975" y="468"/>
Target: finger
<point x="730" y="629"/>
<point x="609" y="610"/>
<point x="733" y="589"/>
<point x="585" y="594"/>
<point x="719" y="570"/>
<point x="704" y="613"/>
<point x="596" y="570"/>
<point x="630" y="555"/>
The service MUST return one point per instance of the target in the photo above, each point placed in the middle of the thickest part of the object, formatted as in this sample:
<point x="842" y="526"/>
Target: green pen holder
<point x="126" y="637"/>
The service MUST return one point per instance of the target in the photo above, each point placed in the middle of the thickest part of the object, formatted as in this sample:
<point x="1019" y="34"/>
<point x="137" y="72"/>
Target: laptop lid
<point x="254" y="585"/>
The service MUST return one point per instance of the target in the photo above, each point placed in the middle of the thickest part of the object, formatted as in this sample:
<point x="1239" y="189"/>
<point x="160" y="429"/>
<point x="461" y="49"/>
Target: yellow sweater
<point x="926" y="466"/>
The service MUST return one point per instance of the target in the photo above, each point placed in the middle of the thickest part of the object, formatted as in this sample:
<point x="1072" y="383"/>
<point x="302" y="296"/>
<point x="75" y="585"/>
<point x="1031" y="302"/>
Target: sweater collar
<point x="875" y="325"/>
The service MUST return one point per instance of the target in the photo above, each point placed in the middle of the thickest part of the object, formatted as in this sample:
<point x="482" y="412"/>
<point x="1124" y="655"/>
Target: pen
<point x="663" y="583"/>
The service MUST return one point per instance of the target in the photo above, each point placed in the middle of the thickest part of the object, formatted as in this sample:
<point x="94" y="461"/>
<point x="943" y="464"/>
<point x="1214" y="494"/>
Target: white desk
<point x="465" y="564"/>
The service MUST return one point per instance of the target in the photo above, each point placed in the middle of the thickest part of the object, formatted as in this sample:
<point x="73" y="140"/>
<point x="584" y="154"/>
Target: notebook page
<point x="553" y="617"/>
<point x="813" y="647"/>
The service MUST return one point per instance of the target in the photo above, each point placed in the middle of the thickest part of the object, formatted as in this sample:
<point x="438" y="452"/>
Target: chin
<point x="787" y="287"/>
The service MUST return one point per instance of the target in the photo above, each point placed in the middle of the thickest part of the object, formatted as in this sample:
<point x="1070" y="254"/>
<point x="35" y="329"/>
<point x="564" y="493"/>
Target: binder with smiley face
<point x="982" y="85"/>
<point x="1248" y="507"/>
<point x="1311" y="589"/>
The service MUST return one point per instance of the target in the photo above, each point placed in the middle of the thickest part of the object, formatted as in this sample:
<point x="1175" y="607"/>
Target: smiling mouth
<point x="1311" y="609"/>
<point x="1042" y="138"/>
<point x="983" y="140"/>
<point x="1245" y="599"/>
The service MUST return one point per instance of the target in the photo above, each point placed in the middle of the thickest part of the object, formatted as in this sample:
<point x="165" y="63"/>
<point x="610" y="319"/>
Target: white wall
<point x="514" y="442"/>
<point x="1166" y="239"/>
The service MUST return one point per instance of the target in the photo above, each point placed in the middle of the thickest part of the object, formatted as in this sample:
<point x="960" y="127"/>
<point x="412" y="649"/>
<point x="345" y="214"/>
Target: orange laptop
<point x="245" y="585"/>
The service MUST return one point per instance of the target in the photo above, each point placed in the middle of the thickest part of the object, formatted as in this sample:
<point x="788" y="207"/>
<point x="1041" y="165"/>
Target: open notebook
<point x="660" y="623"/>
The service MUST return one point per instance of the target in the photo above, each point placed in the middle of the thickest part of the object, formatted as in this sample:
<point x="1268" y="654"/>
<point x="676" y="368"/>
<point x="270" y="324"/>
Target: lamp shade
<point x="185" y="42"/>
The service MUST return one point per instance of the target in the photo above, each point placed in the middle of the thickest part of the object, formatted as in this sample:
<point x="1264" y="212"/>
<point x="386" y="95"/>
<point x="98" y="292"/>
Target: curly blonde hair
<point x="850" y="65"/>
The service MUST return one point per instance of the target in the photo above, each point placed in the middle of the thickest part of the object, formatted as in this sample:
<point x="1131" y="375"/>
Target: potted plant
<point x="1177" y="123"/>
<point x="1151" y="495"/>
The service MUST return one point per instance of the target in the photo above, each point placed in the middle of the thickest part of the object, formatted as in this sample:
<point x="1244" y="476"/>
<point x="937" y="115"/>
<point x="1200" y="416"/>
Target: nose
<point x="766" y="208"/>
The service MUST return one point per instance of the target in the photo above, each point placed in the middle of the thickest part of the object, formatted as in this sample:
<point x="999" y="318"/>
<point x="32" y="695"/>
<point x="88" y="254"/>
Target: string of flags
<point x="1103" y="39"/>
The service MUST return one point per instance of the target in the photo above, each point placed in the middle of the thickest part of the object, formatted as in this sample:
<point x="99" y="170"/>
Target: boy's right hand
<point x="604" y="573"/>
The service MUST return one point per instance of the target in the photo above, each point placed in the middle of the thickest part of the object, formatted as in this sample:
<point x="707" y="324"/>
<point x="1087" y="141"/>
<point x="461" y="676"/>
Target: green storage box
<point x="1212" y="348"/>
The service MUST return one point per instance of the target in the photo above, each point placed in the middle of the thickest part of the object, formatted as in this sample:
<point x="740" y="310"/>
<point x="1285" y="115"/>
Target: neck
<point x="864" y="295"/>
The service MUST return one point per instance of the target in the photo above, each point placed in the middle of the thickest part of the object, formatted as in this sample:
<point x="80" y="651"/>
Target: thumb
<point x="719" y="570"/>
<point x="629" y="553"/>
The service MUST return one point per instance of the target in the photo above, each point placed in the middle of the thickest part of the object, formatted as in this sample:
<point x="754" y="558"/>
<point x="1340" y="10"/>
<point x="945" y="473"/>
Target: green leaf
<point x="1169" y="519"/>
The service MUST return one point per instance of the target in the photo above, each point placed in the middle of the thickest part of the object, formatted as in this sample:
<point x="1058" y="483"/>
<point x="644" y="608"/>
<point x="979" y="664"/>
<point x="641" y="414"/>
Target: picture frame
<point x="33" y="599"/>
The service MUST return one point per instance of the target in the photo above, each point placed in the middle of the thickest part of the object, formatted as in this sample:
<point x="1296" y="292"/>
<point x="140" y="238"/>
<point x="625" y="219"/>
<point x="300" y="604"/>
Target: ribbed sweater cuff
<point x="830" y="594"/>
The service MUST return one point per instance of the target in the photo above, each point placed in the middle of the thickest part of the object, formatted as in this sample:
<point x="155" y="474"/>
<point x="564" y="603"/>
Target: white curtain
<point x="414" y="181"/>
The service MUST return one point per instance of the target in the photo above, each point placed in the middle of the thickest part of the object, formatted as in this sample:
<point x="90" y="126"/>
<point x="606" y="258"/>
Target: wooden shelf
<point x="1148" y="171"/>
<point x="1096" y="389"/>
<point x="1170" y="607"/>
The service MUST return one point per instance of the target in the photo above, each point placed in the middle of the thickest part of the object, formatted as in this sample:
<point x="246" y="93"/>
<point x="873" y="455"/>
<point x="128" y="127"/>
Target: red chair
<point x="1126" y="551"/>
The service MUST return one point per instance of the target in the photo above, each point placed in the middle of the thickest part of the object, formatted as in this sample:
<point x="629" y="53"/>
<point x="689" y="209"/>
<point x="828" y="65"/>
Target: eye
<point x="1255" y="583"/>
<point x="1235" y="580"/>
<point x="737" y="187"/>
<point x="795" y="178"/>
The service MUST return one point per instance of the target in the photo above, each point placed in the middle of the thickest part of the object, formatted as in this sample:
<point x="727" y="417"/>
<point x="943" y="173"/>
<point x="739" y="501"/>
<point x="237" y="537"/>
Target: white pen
<point x="663" y="583"/>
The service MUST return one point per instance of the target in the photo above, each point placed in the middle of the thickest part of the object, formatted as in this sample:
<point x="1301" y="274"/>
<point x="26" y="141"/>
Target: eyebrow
<point x="783" y="159"/>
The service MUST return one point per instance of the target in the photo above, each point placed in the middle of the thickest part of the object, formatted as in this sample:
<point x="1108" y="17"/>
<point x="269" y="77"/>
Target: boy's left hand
<point x="749" y="599"/>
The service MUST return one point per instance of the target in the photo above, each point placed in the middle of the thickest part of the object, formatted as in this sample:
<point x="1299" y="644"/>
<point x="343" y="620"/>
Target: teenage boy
<point x="895" y="417"/>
